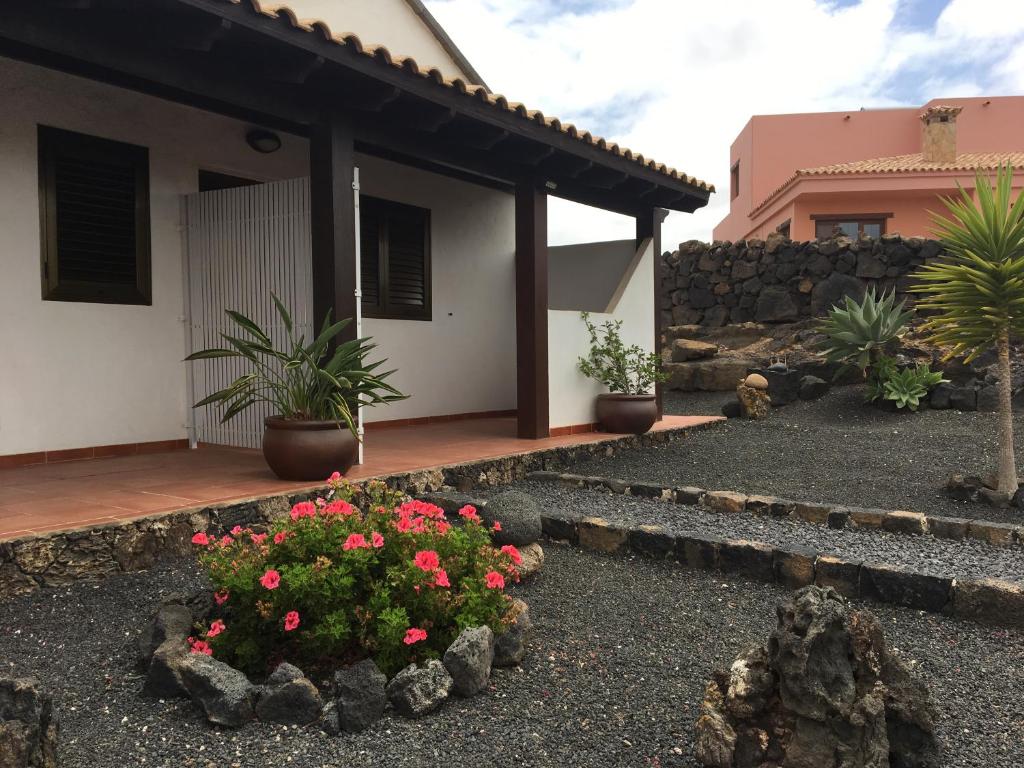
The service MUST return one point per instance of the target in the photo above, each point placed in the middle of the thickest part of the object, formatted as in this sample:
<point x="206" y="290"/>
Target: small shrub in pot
<point x="629" y="373"/>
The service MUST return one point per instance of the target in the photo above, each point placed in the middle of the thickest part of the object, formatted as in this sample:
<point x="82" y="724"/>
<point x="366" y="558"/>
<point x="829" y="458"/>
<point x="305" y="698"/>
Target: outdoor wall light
<point x="263" y="141"/>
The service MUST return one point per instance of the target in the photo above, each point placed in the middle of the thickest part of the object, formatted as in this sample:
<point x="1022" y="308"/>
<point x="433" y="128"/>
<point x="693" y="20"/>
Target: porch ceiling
<point x="263" y="65"/>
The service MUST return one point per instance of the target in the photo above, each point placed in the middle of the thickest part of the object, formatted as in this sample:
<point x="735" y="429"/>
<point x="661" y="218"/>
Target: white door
<point x="242" y="245"/>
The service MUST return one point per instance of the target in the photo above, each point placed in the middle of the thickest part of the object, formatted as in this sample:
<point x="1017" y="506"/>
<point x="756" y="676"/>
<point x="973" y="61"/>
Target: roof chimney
<point x="938" y="134"/>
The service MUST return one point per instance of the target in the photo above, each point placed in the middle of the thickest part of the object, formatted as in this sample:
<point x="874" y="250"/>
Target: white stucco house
<point x="164" y="160"/>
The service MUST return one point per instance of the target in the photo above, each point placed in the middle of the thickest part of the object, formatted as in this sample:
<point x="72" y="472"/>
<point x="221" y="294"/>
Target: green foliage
<point x="300" y="379"/>
<point x="860" y="332"/>
<point x="906" y="387"/>
<point x="627" y="370"/>
<point x="331" y="583"/>
<point x="976" y="292"/>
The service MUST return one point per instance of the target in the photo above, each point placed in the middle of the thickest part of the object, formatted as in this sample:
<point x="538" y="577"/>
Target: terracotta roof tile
<point x="906" y="164"/>
<point x="410" y="66"/>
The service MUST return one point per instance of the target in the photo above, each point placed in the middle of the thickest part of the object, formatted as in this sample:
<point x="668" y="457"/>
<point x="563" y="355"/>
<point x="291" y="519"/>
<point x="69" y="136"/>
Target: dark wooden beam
<point x="531" y="228"/>
<point x="333" y="220"/>
<point x="368" y="97"/>
<point x="648" y="224"/>
<point x="425" y="88"/>
<point x="297" y="70"/>
<point x="192" y="34"/>
<point x="532" y="155"/>
<point x="99" y="51"/>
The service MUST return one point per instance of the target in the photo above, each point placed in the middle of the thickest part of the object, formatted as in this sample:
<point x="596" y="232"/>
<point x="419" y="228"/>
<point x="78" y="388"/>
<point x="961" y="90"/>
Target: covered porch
<point x="64" y="495"/>
<point x="191" y="81"/>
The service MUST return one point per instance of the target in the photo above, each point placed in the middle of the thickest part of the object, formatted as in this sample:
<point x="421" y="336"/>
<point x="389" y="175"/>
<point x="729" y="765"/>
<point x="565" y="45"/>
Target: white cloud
<point x="694" y="72"/>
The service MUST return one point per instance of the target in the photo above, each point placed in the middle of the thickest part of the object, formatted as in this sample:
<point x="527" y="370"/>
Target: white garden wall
<point x="572" y="394"/>
<point x="77" y="374"/>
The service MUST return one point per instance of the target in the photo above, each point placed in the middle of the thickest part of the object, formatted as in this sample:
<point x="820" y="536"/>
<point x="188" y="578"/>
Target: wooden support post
<point x="648" y="224"/>
<point x="532" y="309"/>
<point x="332" y="221"/>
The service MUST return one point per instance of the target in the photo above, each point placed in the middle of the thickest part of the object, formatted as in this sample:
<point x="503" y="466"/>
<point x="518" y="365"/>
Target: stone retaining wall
<point x="778" y="280"/>
<point x="60" y="558"/>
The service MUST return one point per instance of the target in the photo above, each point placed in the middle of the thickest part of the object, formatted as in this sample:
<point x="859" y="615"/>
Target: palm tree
<point x="977" y="291"/>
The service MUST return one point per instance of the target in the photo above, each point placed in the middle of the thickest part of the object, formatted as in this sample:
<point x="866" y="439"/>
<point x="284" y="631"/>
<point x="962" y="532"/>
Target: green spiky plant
<point x="908" y="386"/>
<point x="307" y="381"/>
<point x="859" y="333"/>
<point x="976" y="292"/>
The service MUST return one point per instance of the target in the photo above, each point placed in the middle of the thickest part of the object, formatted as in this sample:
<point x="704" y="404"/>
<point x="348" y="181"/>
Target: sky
<point x="676" y="80"/>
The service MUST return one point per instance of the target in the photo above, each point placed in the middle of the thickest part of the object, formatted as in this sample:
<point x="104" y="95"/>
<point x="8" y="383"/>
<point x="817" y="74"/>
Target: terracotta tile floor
<point x="75" y="494"/>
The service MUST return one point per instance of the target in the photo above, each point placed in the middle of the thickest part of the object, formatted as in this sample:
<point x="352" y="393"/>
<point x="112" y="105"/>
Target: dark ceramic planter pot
<point x="308" y="450"/>
<point x="626" y="414"/>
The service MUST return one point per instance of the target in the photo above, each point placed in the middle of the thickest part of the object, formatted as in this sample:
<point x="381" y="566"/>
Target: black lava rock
<point x="223" y="692"/>
<point x="359" y="694"/>
<point x="518" y="514"/>
<point x="468" y="660"/>
<point x="28" y="725"/>
<point x="811" y="388"/>
<point x="731" y="409"/>
<point x="417" y="690"/>
<point x="288" y="698"/>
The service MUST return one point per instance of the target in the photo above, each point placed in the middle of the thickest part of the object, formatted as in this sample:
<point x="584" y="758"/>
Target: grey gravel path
<point x="615" y="677"/>
<point x="925" y="554"/>
<point x="836" y="450"/>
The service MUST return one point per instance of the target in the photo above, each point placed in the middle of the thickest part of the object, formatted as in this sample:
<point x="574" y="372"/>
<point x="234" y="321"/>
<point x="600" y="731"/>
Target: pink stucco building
<point x="864" y="172"/>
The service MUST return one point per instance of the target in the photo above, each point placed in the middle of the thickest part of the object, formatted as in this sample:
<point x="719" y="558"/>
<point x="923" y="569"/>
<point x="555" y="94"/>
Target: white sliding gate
<point x="242" y="245"/>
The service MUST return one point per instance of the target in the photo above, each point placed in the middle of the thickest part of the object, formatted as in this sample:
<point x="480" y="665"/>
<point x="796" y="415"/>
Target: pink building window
<point x="734" y="181"/>
<point x="851" y="225"/>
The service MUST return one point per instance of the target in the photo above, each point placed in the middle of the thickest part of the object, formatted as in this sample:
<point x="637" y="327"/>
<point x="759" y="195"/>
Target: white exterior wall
<point x="464" y="359"/>
<point x="79" y="374"/>
<point x="571" y="394"/>
<point x="391" y="23"/>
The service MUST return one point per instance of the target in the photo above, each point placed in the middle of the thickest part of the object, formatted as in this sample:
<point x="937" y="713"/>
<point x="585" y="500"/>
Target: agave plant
<point x="859" y="333"/>
<point x="908" y="386"/>
<point x="976" y="293"/>
<point x="306" y="381"/>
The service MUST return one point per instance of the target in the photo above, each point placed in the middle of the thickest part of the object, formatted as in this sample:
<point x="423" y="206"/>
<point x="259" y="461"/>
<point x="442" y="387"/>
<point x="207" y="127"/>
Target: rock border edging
<point x="837" y="516"/>
<point x="987" y="601"/>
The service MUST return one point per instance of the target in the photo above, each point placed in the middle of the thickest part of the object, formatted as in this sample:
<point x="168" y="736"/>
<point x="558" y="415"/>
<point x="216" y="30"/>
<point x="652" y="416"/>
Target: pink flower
<point x="258" y="538"/>
<point x="280" y="536"/>
<point x="338" y="508"/>
<point x="469" y="513"/>
<point x="494" y="580"/>
<point x="377" y="540"/>
<point x="303" y="509"/>
<point x="201" y="539"/>
<point x="226" y="541"/>
<point x="335" y="477"/>
<point x="441" y="578"/>
<point x="236" y="530"/>
<point x="442" y="527"/>
<point x="512" y="552"/>
<point x="221" y="596"/>
<point x="291" y="621"/>
<point x="496" y="527"/>
<point x="427" y="560"/>
<point x="215" y="628"/>
<point x="355" y="541"/>
<point x="271" y="579"/>
<point x="200" y="646"/>
<point x="414" y="635"/>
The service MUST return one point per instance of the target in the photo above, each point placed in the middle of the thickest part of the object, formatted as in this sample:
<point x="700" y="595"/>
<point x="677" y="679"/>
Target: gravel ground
<point x="836" y="450"/>
<point x="614" y="677"/>
<point x="924" y="554"/>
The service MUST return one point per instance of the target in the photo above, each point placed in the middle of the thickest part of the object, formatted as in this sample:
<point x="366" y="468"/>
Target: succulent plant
<point x="860" y="332"/>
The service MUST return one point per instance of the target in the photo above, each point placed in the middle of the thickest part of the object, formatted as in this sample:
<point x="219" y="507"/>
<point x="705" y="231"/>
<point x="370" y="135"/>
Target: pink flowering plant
<point x="332" y="583"/>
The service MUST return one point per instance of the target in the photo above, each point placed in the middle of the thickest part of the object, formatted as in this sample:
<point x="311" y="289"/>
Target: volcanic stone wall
<point x="781" y="281"/>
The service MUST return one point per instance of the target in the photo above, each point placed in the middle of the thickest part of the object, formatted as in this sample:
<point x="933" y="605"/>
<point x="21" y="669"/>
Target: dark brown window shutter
<point x="94" y="197"/>
<point x="395" y="259"/>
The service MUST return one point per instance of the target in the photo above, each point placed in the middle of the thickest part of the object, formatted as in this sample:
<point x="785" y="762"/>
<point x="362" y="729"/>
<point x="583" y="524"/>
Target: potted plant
<point x="628" y="373"/>
<point x="316" y="391"/>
